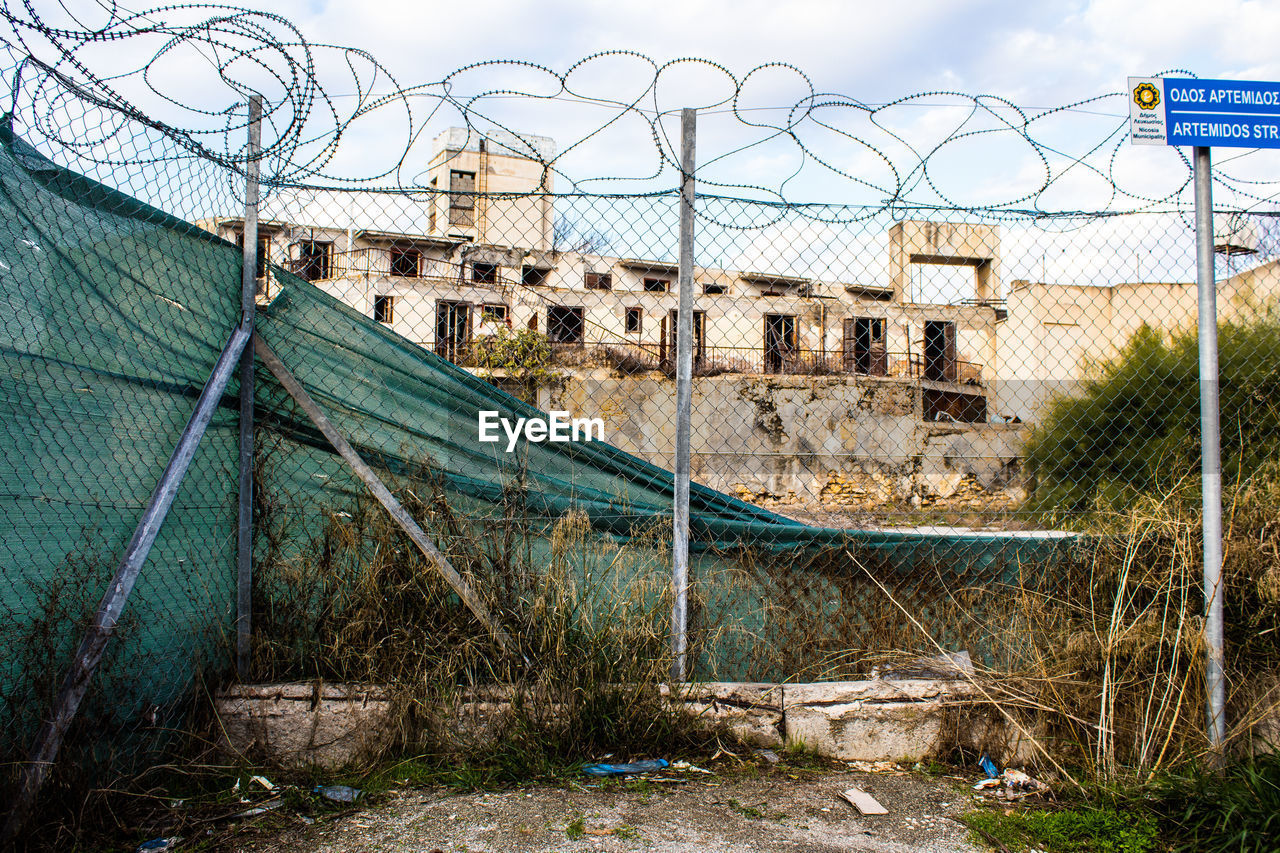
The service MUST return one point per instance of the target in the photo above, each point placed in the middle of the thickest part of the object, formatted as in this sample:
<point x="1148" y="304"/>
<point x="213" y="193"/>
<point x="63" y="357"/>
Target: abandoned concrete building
<point x="814" y="389"/>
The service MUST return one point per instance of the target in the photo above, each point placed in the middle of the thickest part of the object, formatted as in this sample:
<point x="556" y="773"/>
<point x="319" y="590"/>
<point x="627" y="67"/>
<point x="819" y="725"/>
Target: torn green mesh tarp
<point x="114" y="315"/>
<point x="117" y="312"/>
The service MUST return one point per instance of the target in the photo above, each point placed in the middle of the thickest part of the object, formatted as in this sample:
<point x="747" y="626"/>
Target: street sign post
<point x="1204" y="114"/>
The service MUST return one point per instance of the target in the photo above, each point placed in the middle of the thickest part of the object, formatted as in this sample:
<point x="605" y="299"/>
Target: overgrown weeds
<point x="358" y="603"/>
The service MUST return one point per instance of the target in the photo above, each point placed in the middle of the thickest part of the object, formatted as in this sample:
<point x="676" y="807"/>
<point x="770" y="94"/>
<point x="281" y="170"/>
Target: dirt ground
<point x="782" y="809"/>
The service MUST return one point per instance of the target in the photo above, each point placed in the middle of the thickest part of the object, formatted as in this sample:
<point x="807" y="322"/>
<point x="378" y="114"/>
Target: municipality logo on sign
<point x="1146" y="96"/>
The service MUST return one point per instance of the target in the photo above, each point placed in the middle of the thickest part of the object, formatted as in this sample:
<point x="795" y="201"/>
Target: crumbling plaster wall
<point x="857" y="441"/>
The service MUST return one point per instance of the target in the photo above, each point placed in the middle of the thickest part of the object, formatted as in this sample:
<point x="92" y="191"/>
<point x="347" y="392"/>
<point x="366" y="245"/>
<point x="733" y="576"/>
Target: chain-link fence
<point x="915" y="429"/>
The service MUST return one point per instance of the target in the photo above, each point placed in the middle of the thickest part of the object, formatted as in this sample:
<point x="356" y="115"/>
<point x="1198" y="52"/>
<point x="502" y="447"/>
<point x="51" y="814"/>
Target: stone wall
<point x="851" y="441"/>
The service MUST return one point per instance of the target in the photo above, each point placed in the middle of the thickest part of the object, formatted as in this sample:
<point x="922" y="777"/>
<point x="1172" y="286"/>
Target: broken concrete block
<point x="872" y="720"/>
<point x="751" y="712"/>
<point x="303" y="725"/>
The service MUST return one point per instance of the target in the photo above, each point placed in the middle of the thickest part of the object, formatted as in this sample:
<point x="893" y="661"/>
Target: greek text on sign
<point x="1211" y="113"/>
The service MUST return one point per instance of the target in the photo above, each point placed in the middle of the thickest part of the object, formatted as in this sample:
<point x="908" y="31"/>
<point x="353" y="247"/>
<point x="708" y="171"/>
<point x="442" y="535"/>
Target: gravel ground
<point x="781" y="809"/>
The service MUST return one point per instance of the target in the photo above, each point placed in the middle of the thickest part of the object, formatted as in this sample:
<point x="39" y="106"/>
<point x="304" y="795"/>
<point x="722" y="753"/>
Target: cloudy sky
<point x="1034" y="55"/>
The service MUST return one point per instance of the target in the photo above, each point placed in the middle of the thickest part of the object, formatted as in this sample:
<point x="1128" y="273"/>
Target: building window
<point x="598" y="281"/>
<point x="493" y="313"/>
<point x="384" y="308"/>
<point x="484" y="273"/>
<point x="565" y="325"/>
<point x="264" y="253"/>
<point x="453" y="328"/>
<point x="656" y="285"/>
<point x="533" y="276"/>
<point x="313" y="260"/>
<point x="714" y="289"/>
<point x="404" y="262"/>
<point x="462" y="200"/>
<point x="864" y="346"/>
<point x="939" y="351"/>
<point x="634" y="319"/>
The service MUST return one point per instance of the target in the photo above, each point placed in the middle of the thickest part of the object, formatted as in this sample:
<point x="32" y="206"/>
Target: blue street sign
<point x="1209" y="113"/>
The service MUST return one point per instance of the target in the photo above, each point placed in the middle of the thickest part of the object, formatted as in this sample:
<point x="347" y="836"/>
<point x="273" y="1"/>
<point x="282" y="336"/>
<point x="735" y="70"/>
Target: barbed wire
<point x="324" y="101"/>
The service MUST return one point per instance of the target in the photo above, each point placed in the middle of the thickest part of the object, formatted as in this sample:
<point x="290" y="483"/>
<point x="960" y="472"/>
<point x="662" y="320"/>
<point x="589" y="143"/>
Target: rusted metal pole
<point x="381" y="492"/>
<point x="248" y="305"/>
<point x="76" y="682"/>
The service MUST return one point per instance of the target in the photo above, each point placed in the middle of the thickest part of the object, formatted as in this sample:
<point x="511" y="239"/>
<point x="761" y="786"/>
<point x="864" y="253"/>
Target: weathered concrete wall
<point x="850" y="441"/>
<point x="876" y="720"/>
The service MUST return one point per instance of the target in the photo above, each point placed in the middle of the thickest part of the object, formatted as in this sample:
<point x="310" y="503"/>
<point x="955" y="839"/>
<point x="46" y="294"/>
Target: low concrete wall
<point x="858" y="442"/>
<point x="299" y="725"/>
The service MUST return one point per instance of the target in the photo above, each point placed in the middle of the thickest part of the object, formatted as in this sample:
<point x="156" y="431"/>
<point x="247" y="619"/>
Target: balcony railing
<point x="630" y="358"/>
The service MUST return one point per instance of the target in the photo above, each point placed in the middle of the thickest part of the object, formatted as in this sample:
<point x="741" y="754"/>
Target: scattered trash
<point x="1016" y="783"/>
<point x="338" y="793"/>
<point x="626" y="769"/>
<point x="684" y="765"/>
<point x="263" y="781"/>
<point x="158" y="845"/>
<point x="874" y="766"/>
<point x="307" y="820"/>
<point x="863" y="802"/>
<point x="988" y="766"/>
<point x="768" y="755"/>
<point x="1019" y="784"/>
<point x="262" y="809"/>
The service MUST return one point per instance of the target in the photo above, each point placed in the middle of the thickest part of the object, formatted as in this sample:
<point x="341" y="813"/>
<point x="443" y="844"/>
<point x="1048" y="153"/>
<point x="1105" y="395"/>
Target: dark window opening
<point x="533" y="276"/>
<point x="462" y="200"/>
<point x="656" y="285"/>
<point x="954" y="406"/>
<point x="714" y="289"/>
<point x="493" y="313"/>
<point x="598" y="281"/>
<point x="633" y="320"/>
<point x="405" y="262"/>
<point x="453" y="328"/>
<point x="484" y="273"/>
<point x="939" y="351"/>
<point x="670" y="330"/>
<point x="864" y="346"/>
<point x="533" y="322"/>
<point x="264" y="253"/>
<point x="384" y="308"/>
<point x="565" y="325"/>
<point x="313" y="260"/>
<point x="779" y="341"/>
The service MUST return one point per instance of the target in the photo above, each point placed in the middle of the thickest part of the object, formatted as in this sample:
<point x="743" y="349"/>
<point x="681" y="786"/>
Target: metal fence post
<point x="684" y="401"/>
<point x="248" y="297"/>
<point x="1210" y="452"/>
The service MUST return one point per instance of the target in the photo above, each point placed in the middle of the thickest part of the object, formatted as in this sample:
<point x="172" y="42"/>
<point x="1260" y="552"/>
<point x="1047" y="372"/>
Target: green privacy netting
<point x="116" y="314"/>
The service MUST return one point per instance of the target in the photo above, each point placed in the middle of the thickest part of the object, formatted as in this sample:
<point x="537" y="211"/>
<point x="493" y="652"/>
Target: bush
<point x="1238" y="811"/>
<point x="1135" y="428"/>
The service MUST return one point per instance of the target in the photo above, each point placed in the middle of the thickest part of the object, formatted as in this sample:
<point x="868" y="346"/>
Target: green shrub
<point x="1237" y="811"/>
<point x="1086" y="829"/>
<point x="1134" y="428"/>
